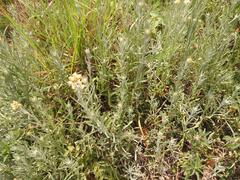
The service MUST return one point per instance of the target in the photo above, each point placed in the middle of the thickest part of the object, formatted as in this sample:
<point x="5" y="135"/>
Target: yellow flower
<point x="16" y="106"/>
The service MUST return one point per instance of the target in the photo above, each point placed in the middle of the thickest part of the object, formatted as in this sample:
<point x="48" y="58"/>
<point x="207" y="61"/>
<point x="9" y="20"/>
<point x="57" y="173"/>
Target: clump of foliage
<point x="119" y="89"/>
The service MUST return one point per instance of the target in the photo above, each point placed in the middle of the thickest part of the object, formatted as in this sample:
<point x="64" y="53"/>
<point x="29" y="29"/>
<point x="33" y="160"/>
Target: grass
<point x="119" y="89"/>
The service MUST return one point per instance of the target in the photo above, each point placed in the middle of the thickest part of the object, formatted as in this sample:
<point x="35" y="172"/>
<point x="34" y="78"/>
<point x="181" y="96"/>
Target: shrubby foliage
<point x="120" y="89"/>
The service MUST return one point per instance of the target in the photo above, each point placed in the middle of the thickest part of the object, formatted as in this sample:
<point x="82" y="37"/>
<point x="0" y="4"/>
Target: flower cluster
<point x="77" y="81"/>
<point x="16" y="106"/>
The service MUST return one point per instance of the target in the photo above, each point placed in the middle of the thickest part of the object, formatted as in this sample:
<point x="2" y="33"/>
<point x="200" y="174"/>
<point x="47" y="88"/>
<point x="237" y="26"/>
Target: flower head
<point x="177" y="1"/>
<point x="189" y="60"/>
<point x="77" y="81"/>
<point x="88" y="53"/>
<point x="147" y="32"/>
<point x="141" y="4"/>
<point x="16" y="106"/>
<point x="187" y="1"/>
